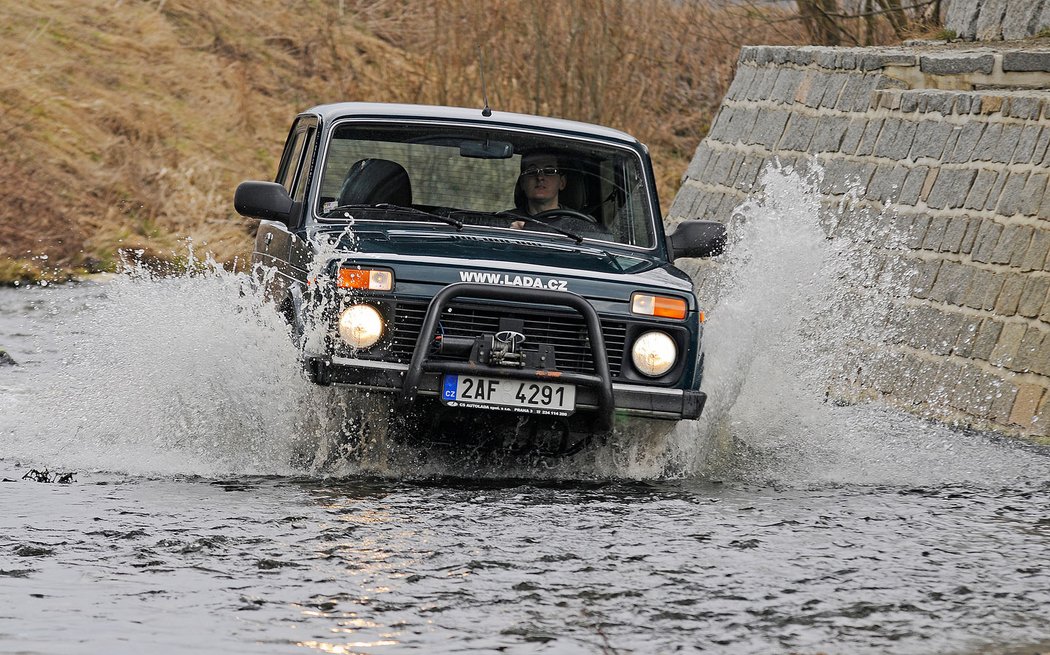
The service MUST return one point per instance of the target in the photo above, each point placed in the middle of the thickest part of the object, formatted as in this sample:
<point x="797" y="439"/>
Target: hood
<point x="442" y="258"/>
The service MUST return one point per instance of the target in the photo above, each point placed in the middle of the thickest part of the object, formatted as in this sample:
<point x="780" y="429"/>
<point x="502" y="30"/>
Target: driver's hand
<point x="517" y="225"/>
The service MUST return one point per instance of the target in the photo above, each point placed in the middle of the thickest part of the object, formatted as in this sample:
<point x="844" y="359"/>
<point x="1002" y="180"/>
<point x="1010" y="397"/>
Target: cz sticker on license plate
<point x="522" y="396"/>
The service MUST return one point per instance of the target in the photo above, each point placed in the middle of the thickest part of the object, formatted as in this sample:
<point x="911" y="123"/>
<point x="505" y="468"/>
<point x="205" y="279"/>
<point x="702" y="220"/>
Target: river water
<point x="206" y="513"/>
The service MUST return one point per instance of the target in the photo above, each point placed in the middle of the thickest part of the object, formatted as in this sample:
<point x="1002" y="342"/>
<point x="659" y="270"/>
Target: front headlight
<point x="361" y="326"/>
<point x="654" y="353"/>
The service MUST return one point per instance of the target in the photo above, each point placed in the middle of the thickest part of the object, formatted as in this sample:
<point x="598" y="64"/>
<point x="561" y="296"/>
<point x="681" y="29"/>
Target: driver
<point x="540" y="183"/>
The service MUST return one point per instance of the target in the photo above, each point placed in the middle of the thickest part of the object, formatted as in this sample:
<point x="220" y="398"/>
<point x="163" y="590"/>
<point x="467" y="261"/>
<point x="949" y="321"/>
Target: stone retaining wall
<point x="965" y="172"/>
<point x="998" y="19"/>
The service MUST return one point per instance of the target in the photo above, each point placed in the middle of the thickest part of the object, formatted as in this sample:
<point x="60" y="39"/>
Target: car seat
<point x="375" y="181"/>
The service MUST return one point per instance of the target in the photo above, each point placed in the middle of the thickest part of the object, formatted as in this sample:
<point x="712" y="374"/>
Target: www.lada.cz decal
<point x="507" y="279"/>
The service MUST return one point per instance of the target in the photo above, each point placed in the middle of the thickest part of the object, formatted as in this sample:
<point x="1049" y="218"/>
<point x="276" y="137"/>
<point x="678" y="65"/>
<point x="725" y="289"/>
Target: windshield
<point x="471" y="178"/>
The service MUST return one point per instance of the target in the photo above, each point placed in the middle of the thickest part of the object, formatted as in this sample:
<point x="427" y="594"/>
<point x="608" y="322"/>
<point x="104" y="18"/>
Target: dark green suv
<point x="482" y="276"/>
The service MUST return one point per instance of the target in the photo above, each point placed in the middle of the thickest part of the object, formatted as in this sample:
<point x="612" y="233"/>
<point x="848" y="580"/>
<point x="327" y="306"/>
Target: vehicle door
<point x="279" y="245"/>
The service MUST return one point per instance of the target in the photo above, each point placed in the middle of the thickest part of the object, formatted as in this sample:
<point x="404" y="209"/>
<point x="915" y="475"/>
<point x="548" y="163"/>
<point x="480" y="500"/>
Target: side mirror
<point x="266" y="200"/>
<point x="697" y="238"/>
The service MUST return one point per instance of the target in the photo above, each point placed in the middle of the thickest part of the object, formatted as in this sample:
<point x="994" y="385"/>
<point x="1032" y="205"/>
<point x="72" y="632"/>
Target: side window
<point x="298" y="188"/>
<point x="293" y="151"/>
<point x="294" y="148"/>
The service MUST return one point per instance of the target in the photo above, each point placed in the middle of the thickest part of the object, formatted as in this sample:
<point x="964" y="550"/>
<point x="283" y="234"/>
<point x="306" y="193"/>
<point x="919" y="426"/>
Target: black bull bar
<point x="602" y="381"/>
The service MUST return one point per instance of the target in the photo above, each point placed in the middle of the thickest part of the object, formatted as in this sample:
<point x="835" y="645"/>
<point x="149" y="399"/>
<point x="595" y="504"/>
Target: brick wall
<point x="963" y="169"/>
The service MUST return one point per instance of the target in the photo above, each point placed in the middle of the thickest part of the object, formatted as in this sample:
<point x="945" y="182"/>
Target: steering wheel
<point x="565" y="211"/>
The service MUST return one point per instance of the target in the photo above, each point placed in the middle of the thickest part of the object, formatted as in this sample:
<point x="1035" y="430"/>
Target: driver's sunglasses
<point x="549" y="171"/>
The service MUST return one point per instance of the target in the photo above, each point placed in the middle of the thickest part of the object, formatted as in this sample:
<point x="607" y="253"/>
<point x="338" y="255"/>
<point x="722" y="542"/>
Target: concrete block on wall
<point x="989" y="143"/>
<point x="1010" y="198"/>
<point x="1025" y="404"/>
<point x="1027" y="60"/>
<point x="956" y="63"/>
<point x="1002" y="404"/>
<point x="951" y="187"/>
<point x="995" y="192"/>
<point x="857" y="92"/>
<point x="767" y="129"/>
<point x="1035" y="256"/>
<point x="1032" y="194"/>
<point x="935" y="235"/>
<point x="1004" y="149"/>
<point x="931" y="139"/>
<point x="895" y="140"/>
<point x="1028" y="354"/>
<point x="984" y="289"/>
<point x="914" y="183"/>
<point x="1006" y="304"/>
<point x="741" y="81"/>
<point x="972" y="226"/>
<point x="1034" y="296"/>
<point x="786" y="86"/>
<point x="987" y="238"/>
<point x="954" y="234"/>
<point x="1039" y="361"/>
<point x="829" y="136"/>
<point x="967" y="337"/>
<point x="962" y="17"/>
<point x="990" y="20"/>
<point x="952" y="283"/>
<point x="923" y="281"/>
<point x="1018" y="18"/>
<point x="982" y="185"/>
<point x="852" y="137"/>
<point x="798" y="133"/>
<point x="1025" y="107"/>
<point x="1009" y="342"/>
<point x="869" y="137"/>
<point x="987" y="337"/>
<point x="969" y="136"/>
<point x="1026" y="144"/>
<point x="887" y="182"/>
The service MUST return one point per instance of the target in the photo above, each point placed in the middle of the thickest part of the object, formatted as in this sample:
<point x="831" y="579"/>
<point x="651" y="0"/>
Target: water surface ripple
<point x="452" y="565"/>
<point x="207" y="514"/>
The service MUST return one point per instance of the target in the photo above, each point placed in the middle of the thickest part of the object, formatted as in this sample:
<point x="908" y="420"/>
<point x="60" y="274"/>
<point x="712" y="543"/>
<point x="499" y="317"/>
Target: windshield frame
<point x="636" y="150"/>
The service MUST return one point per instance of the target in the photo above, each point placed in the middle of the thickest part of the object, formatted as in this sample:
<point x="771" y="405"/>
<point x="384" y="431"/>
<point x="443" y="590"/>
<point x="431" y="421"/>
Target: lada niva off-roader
<point x="404" y="240"/>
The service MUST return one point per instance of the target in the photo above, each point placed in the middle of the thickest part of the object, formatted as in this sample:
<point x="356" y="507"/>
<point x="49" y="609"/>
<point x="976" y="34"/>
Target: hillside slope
<point x="128" y="124"/>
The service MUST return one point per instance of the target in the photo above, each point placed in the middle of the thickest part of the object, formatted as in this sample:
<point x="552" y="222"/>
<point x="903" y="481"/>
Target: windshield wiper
<point x="396" y="209"/>
<point x="528" y="219"/>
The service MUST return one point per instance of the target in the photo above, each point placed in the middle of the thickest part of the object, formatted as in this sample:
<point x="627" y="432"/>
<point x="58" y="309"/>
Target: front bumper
<point x="386" y="377"/>
<point x="595" y="393"/>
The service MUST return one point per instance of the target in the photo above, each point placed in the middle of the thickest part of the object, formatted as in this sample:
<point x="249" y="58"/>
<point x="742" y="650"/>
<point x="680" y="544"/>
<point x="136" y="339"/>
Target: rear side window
<point x="292" y="160"/>
<point x="298" y="191"/>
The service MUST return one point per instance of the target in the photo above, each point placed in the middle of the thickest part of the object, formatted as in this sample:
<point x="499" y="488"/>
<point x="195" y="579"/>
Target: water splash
<point x="196" y="373"/>
<point x="804" y="292"/>
<point x="181" y="374"/>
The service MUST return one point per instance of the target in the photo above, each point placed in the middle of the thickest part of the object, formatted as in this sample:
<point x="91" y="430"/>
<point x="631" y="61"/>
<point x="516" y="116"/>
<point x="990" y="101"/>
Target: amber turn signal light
<point x="363" y="278"/>
<point x="662" y="306"/>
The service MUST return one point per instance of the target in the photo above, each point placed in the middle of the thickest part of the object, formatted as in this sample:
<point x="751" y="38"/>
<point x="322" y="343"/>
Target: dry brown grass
<point x="127" y="124"/>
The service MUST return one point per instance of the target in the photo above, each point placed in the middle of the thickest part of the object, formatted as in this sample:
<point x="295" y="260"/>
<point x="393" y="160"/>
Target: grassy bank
<point x="128" y="124"/>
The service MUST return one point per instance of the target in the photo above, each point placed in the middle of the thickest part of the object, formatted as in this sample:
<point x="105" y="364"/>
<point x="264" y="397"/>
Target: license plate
<point x="523" y="396"/>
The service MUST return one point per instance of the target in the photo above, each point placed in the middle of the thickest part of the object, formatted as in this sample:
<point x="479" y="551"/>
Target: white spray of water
<point x="198" y="374"/>
<point x="185" y="374"/>
<point x="803" y="295"/>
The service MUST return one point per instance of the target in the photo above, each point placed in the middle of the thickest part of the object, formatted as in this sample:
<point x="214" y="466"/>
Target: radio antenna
<point x="486" y="112"/>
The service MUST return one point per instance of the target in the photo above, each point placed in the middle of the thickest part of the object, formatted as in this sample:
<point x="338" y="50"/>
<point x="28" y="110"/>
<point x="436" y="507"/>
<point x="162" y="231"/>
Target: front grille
<point x="565" y="331"/>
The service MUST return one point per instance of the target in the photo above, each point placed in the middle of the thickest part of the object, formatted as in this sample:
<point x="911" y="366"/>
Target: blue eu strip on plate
<point x="451" y="387"/>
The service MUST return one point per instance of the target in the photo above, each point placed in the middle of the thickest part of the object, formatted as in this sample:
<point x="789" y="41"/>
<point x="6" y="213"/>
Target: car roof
<point x="382" y="110"/>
